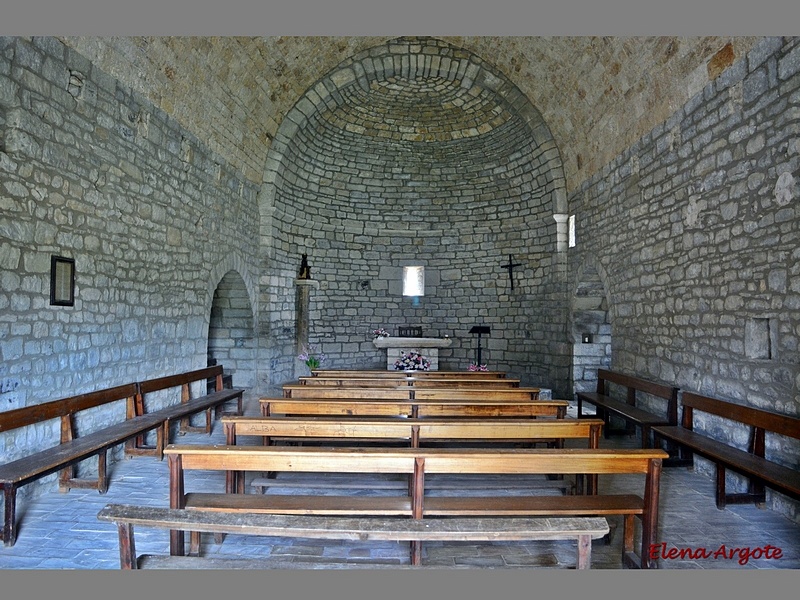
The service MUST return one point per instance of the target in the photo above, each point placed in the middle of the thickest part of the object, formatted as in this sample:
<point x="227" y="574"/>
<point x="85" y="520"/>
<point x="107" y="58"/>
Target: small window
<point x="62" y="281"/>
<point x="571" y="227"/>
<point x="414" y="281"/>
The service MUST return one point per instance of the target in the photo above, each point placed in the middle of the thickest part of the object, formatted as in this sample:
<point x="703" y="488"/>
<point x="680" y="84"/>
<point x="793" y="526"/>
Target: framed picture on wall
<point x="62" y="281"/>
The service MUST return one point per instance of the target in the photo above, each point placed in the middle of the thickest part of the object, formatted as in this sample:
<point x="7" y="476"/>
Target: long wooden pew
<point x="374" y="373"/>
<point x="417" y="382"/>
<point x="419" y="463"/>
<point x="410" y="430"/>
<point x="365" y="407"/>
<point x="578" y="529"/>
<point x="404" y="392"/>
<point x="526" y="393"/>
<point x="414" y="432"/>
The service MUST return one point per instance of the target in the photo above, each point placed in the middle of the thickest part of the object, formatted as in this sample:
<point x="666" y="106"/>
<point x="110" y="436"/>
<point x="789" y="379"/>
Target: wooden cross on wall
<point x="510" y="266"/>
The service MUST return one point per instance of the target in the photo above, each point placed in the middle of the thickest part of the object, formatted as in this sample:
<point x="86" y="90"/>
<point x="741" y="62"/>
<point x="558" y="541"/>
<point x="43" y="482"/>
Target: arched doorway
<point x="591" y="330"/>
<point x="231" y="334"/>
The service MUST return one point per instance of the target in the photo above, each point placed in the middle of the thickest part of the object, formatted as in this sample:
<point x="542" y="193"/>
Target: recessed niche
<point x="758" y="338"/>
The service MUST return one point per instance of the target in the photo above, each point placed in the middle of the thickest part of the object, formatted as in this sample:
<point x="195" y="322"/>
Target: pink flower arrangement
<point x="476" y="367"/>
<point x="412" y="361"/>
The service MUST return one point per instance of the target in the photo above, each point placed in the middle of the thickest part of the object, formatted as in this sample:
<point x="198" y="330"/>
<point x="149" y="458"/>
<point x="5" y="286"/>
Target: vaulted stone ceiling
<point x="597" y="95"/>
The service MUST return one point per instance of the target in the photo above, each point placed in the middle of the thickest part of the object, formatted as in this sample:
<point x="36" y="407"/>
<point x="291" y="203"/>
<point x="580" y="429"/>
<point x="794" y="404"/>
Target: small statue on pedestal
<point x="305" y="270"/>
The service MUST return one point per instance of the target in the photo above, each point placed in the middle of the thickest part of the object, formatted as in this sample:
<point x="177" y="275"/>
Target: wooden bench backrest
<point x="457" y="374"/>
<point x="334" y="406"/>
<point x="423" y="408"/>
<point x="491" y="408"/>
<point x="417" y="382"/>
<point x="403" y="374"/>
<point x="402" y="460"/>
<point x="368" y="373"/>
<point x="475" y="393"/>
<point x="634" y="384"/>
<point x="426" y="429"/>
<point x="29" y="415"/>
<point x="285" y="458"/>
<point x="538" y="461"/>
<point x="432" y="382"/>
<point x="355" y="382"/>
<point x="399" y="392"/>
<point x="762" y="419"/>
<point x="181" y="379"/>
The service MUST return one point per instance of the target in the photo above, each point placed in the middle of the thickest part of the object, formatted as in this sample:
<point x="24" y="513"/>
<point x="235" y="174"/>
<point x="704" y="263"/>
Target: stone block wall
<point x="91" y="171"/>
<point x="697" y="231"/>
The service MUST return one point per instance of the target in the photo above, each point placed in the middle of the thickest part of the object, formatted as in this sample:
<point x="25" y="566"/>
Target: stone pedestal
<point x="302" y="302"/>
<point x="427" y="347"/>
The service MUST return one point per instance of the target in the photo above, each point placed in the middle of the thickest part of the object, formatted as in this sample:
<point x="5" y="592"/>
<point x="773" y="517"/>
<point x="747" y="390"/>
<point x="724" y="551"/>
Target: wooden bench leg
<point x="65" y="475"/>
<point x="9" y="527"/>
<point x="416" y="552"/>
<point x="176" y="542"/>
<point x="584" y="552"/>
<point x="127" y="546"/>
<point x="628" y="533"/>
<point x="162" y="438"/>
<point x="645" y="437"/>
<point x="720" y="487"/>
<point x="102" y="475"/>
<point x="194" y="543"/>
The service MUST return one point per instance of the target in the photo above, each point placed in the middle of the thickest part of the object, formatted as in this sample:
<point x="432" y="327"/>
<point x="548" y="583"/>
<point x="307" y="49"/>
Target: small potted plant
<point x="311" y="357"/>
<point x="379" y="333"/>
<point x="477" y="367"/>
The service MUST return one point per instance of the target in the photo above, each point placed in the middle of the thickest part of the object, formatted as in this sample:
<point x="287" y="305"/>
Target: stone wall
<point x="91" y="171"/>
<point x="696" y="230"/>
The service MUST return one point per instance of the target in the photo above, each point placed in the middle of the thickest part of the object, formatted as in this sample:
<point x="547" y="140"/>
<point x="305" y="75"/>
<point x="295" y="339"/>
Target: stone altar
<point x="428" y="347"/>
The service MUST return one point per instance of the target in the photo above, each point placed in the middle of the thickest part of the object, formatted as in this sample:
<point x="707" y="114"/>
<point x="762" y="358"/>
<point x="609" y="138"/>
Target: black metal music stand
<point x="479" y="330"/>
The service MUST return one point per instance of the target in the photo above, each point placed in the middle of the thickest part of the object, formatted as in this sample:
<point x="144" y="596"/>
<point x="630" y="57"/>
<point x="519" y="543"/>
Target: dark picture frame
<point x="62" y="281"/>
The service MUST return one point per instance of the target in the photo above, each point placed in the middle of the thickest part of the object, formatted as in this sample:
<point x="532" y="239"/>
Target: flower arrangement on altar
<point x="412" y="361"/>
<point x="311" y="356"/>
<point x="379" y="333"/>
<point x="477" y="367"/>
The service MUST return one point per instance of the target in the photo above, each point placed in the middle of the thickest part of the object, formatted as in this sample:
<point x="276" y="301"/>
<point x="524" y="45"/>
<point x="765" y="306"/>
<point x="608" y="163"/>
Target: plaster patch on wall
<point x="785" y="189"/>
<point x="691" y="214"/>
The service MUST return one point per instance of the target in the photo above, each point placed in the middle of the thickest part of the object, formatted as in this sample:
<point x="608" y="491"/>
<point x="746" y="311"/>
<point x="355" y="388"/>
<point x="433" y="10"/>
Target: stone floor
<point x="61" y="531"/>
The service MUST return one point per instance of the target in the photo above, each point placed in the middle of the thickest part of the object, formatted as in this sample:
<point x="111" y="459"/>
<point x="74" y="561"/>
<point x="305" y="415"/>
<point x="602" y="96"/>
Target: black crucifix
<point x="510" y="266"/>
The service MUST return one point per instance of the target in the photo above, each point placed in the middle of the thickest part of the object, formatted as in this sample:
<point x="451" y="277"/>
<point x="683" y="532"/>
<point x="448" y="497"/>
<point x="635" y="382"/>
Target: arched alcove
<point x="231" y="334"/>
<point x="590" y="329"/>
<point x="415" y="152"/>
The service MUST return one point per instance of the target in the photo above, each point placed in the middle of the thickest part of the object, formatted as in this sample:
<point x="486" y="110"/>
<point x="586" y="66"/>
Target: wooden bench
<point x="418" y="463"/>
<point x="413" y="408"/>
<point x="405" y="392"/>
<point x="607" y="405"/>
<point x="417" y="382"/>
<point x="752" y="463"/>
<point x="415" y="432"/>
<point x="374" y="373"/>
<point x="126" y="517"/>
<point x="74" y="445"/>
<point x="188" y="405"/>
<point x="474" y="393"/>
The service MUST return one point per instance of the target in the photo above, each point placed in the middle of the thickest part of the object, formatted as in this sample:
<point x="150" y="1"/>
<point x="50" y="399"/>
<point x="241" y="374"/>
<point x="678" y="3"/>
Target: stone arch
<point x="394" y="157"/>
<point x="232" y="339"/>
<point x="408" y="58"/>
<point x="590" y="315"/>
